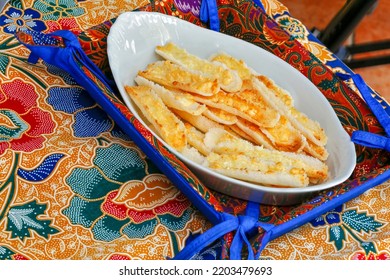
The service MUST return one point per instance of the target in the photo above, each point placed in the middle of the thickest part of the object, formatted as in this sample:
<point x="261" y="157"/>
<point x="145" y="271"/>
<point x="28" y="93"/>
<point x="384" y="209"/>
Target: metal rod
<point x="367" y="62"/>
<point x="368" y="47"/>
<point x="344" y="23"/>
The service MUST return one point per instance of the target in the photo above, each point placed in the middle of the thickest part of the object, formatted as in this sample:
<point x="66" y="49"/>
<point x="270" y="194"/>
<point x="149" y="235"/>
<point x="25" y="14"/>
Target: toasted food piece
<point x="222" y="142"/>
<point x="316" y="151"/>
<point x="281" y="94"/>
<point x="282" y="100"/>
<point x="168" y="126"/>
<point x="233" y="103"/>
<point x="173" y="75"/>
<point x="310" y="128"/>
<point x="240" y="66"/>
<point x="256" y="170"/>
<point x="173" y="98"/>
<point x="284" y="136"/>
<point x="255" y="133"/>
<point x="193" y="154"/>
<point x="196" y="139"/>
<point x="200" y="122"/>
<point x="316" y="170"/>
<point x="229" y="80"/>
<point x="220" y="116"/>
<point x="236" y="130"/>
<point x="276" y="97"/>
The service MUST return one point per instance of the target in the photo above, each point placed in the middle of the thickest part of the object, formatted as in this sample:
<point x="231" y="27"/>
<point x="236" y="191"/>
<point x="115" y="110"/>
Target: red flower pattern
<point x="175" y="206"/>
<point x="23" y="122"/>
<point x="371" y="256"/>
<point x="64" y="24"/>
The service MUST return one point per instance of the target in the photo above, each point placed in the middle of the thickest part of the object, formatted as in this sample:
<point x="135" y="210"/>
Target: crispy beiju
<point x="220" y="116"/>
<point x="224" y="143"/>
<point x="170" y="128"/>
<point x="252" y="133"/>
<point x="309" y="128"/>
<point x="314" y="137"/>
<point x="174" y="99"/>
<point x="228" y="79"/>
<point x="196" y="139"/>
<point x="172" y="75"/>
<point x="240" y="66"/>
<point x="233" y="103"/>
<point x="201" y="122"/>
<point x="239" y="158"/>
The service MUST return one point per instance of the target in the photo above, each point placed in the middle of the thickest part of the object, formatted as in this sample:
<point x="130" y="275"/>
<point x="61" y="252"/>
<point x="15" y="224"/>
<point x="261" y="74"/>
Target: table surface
<point x="63" y="188"/>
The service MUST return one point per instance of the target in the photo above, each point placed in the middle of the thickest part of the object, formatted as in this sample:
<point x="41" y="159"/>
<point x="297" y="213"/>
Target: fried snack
<point x="240" y="66"/>
<point x="253" y="133"/>
<point x="228" y="79"/>
<point x="220" y="116"/>
<point x="196" y="139"/>
<point x="174" y="99"/>
<point x="309" y="128"/>
<point x="236" y="166"/>
<point x="233" y="103"/>
<point x="236" y="130"/>
<point x="224" y="143"/>
<point x="201" y="122"/>
<point x="170" y="128"/>
<point x="173" y="75"/>
<point x="297" y="123"/>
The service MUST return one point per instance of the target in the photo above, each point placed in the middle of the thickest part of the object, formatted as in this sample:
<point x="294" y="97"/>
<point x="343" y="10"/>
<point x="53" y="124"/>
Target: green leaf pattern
<point x="337" y="235"/>
<point x="5" y="253"/>
<point x="4" y="61"/>
<point x="22" y="220"/>
<point x="360" y="221"/>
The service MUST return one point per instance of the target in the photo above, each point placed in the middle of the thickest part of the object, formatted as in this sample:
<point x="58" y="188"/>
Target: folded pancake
<point x="193" y="154"/>
<point x="258" y="113"/>
<point x="221" y="142"/>
<point x="285" y="137"/>
<point x="229" y="79"/>
<point x="256" y="170"/>
<point x="200" y="122"/>
<point x="236" y="129"/>
<point x="173" y="98"/>
<point x="254" y="132"/>
<point x="167" y="125"/>
<point x="227" y="157"/>
<point x="240" y="66"/>
<point x="280" y="99"/>
<point x="314" y="150"/>
<point x="220" y="116"/>
<point x="173" y="75"/>
<point x="247" y="74"/>
<point x="196" y="139"/>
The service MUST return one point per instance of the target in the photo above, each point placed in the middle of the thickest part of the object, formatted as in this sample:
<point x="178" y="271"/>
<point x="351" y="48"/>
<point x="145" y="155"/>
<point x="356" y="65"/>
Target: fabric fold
<point x="365" y="138"/>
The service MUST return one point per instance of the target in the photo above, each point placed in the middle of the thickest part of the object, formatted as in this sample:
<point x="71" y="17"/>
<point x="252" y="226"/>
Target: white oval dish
<point x="131" y="44"/>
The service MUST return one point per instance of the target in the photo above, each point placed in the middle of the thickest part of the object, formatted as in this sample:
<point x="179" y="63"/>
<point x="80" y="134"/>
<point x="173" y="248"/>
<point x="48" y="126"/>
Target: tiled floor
<point x="375" y="26"/>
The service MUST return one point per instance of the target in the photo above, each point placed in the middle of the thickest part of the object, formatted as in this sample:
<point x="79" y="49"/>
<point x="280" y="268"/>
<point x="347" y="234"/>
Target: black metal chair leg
<point x="344" y="23"/>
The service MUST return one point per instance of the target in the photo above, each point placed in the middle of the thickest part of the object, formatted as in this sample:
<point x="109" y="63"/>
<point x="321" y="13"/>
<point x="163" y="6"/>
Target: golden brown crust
<point x="170" y="128"/>
<point x="228" y="79"/>
<point x="253" y="133"/>
<point x="172" y="75"/>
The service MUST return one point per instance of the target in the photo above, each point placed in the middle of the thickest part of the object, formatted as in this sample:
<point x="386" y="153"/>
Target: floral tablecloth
<point x="74" y="186"/>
